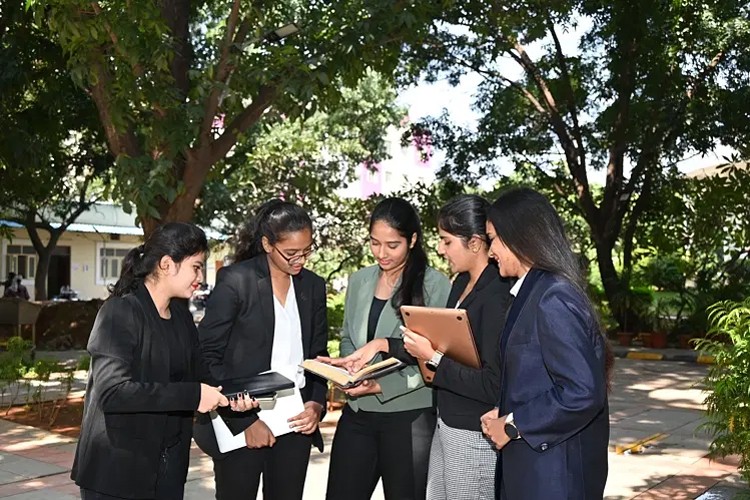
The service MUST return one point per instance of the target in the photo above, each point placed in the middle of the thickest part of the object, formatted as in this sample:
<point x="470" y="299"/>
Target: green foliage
<point x="625" y="87"/>
<point x="335" y="315"/>
<point x="665" y="273"/>
<point x="53" y="157"/>
<point x="728" y="404"/>
<point x="84" y="363"/>
<point x="178" y="85"/>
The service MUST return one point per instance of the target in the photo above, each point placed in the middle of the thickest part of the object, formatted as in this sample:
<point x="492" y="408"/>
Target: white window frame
<point x="27" y="280"/>
<point x="101" y="246"/>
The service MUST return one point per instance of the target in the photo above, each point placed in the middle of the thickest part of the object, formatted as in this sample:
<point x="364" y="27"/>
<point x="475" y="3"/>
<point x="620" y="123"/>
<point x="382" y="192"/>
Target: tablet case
<point x="449" y="332"/>
<point x="265" y="383"/>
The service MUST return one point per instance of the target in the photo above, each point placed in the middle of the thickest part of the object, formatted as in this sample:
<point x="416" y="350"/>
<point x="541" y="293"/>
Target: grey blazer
<point x="402" y="390"/>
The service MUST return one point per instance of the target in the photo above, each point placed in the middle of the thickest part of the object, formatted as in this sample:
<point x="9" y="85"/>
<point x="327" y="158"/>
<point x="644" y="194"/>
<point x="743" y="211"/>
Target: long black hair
<point x="465" y="216"/>
<point x="178" y="240"/>
<point x="531" y="228"/>
<point x="273" y="219"/>
<point x="403" y="217"/>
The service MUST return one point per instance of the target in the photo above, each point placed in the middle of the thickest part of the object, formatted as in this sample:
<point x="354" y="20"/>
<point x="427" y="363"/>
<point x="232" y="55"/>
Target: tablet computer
<point x="262" y="385"/>
<point x="448" y="330"/>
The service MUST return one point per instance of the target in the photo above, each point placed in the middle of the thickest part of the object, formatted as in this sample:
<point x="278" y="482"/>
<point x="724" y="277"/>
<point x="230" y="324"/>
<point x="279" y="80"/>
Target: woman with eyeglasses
<point x="386" y="427"/>
<point x="267" y="312"/>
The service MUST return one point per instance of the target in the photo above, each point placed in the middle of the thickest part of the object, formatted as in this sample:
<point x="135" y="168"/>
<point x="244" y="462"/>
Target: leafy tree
<point x="51" y="152"/>
<point x="178" y="84"/>
<point x="647" y="84"/>
<point x="310" y="160"/>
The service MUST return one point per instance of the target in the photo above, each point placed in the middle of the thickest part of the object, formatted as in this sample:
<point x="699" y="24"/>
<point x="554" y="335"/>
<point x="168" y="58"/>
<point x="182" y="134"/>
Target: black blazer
<point x="236" y="336"/>
<point x="463" y="393"/>
<point x="129" y="394"/>
<point x="553" y="380"/>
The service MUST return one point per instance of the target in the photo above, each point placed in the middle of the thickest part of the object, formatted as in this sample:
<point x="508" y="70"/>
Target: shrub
<point x="728" y="404"/>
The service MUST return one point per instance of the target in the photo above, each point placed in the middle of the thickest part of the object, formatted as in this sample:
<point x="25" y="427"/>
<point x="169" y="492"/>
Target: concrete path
<point x="656" y="408"/>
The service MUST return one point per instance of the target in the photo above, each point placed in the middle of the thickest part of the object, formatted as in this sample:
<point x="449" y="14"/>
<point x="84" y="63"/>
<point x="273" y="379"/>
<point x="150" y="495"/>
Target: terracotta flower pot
<point x="659" y="340"/>
<point x="625" y="338"/>
<point x="647" y="339"/>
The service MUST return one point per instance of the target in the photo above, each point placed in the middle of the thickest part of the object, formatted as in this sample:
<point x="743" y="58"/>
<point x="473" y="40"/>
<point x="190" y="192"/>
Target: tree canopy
<point x="178" y="84"/>
<point x="625" y="87"/>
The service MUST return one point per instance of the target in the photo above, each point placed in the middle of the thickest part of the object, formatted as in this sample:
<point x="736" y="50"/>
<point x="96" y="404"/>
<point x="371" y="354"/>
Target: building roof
<point x="702" y="173"/>
<point x="108" y="218"/>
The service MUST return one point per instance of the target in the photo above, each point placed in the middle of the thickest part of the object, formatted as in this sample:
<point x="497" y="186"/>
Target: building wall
<point x="84" y="264"/>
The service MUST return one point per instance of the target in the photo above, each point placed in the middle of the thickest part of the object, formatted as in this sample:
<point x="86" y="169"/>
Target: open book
<point x="343" y="378"/>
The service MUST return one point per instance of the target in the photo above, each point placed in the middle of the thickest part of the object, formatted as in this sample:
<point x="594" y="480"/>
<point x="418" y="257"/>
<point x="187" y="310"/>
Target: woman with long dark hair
<point x="386" y="427"/>
<point x="462" y="459"/>
<point x="552" y="419"/>
<point x="146" y="373"/>
<point x="267" y="312"/>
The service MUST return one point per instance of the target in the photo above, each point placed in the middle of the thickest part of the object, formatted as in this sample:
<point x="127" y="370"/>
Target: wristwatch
<point x="433" y="363"/>
<point x="510" y="428"/>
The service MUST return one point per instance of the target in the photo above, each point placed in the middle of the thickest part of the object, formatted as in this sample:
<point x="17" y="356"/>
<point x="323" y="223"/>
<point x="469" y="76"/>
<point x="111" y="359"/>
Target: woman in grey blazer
<point x="386" y="427"/>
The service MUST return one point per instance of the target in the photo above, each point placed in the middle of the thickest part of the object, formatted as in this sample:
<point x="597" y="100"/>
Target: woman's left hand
<point x="417" y="345"/>
<point x="243" y="403"/>
<point x="363" y="389"/>
<point x="307" y="421"/>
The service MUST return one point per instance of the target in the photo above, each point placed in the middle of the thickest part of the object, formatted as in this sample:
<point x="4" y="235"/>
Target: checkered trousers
<point x="462" y="465"/>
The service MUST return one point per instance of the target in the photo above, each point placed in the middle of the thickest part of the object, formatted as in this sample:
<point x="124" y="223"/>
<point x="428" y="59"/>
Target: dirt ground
<point x="67" y="421"/>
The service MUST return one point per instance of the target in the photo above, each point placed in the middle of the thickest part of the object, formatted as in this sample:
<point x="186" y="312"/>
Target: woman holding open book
<point x="462" y="459"/>
<point x="386" y="427"/>
<point x="267" y="313"/>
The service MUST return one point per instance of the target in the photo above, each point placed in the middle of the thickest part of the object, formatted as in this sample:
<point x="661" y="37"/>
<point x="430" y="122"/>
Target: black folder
<point x="257" y="385"/>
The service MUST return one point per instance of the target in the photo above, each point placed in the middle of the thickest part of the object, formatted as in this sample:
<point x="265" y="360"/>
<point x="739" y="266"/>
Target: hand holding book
<point x="325" y="367"/>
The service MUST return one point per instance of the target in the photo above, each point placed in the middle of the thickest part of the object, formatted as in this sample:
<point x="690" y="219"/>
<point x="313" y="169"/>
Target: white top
<point x="287" y="336"/>
<point x="517" y="286"/>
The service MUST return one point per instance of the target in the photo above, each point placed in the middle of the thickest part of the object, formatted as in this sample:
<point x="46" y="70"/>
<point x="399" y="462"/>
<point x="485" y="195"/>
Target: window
<point x="21" y="259"/>
<point x="109" y="263"/>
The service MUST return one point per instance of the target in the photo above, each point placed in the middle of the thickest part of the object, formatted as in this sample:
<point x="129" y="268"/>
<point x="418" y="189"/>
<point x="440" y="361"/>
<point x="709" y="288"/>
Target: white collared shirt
<point x="287" y="336"/>
<point x="517" y="286"/>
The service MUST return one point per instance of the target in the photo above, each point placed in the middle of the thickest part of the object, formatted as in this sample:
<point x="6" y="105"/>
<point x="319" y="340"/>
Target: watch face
<point x="430" y="365"/>
<point x="511" y="431"/>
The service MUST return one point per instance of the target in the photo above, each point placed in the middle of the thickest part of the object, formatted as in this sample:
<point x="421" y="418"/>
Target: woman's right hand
<point x="211" y="398"/>
<point x="258" y="435"/>
<point x="359" y="358"/>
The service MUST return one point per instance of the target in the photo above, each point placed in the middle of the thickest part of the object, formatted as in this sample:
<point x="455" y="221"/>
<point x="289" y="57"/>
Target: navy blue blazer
<point x="554" y="381"/>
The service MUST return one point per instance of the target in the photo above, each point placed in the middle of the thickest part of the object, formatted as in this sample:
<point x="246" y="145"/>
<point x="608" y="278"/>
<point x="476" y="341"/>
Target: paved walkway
<point x="655" y="411"/>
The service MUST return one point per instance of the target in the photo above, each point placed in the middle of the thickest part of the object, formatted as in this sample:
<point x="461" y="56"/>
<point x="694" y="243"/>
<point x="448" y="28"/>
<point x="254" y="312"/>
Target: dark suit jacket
<point x="236" y="336"/>
<point x="463" y="393"/>
<point x="554" y="382"/>
<point x="129" y="394"/>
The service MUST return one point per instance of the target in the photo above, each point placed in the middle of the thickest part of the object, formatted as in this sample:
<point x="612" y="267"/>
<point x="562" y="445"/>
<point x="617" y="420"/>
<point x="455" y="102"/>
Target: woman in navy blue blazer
<point x="552" y="419"/>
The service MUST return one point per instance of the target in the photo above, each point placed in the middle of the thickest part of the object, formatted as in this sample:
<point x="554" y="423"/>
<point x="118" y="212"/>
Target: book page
<point x="333" y="373"/>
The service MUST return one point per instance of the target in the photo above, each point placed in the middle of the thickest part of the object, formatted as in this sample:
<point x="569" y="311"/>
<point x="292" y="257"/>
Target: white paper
<point x="224" y="438"/>
<point x="288" y="404"/>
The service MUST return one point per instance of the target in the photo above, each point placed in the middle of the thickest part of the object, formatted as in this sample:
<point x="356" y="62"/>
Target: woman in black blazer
<point x="241" y="335"/>
<point x="144" y="384"/>
<point x="462" y="459"/>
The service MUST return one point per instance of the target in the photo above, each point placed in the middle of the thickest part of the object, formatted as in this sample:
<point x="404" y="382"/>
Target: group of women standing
<point x="540" y="395"/>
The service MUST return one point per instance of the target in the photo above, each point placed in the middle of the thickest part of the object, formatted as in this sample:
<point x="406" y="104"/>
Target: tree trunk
<point x="42" y="269"/>
<point x="613" y="286"/>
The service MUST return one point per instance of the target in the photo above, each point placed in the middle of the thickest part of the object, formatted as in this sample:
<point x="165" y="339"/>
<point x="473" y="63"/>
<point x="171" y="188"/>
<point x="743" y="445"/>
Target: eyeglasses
<point x="296" y="259"/>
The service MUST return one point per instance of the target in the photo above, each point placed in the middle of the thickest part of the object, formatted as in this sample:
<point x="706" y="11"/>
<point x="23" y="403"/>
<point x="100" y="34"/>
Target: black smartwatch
<point x="510" y="428"/>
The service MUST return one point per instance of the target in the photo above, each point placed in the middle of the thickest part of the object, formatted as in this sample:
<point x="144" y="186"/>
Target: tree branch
<point x="119" y="142"/>
<point x="222" y="72"/>
<point x="249" y="116"/>
<point x="572" y="106"/>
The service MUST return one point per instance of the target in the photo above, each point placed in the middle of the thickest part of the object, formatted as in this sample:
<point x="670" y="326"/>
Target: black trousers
<point x="284" y="467"/>
<point x="393" y="446"/>
<point x="170" y="480"/>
